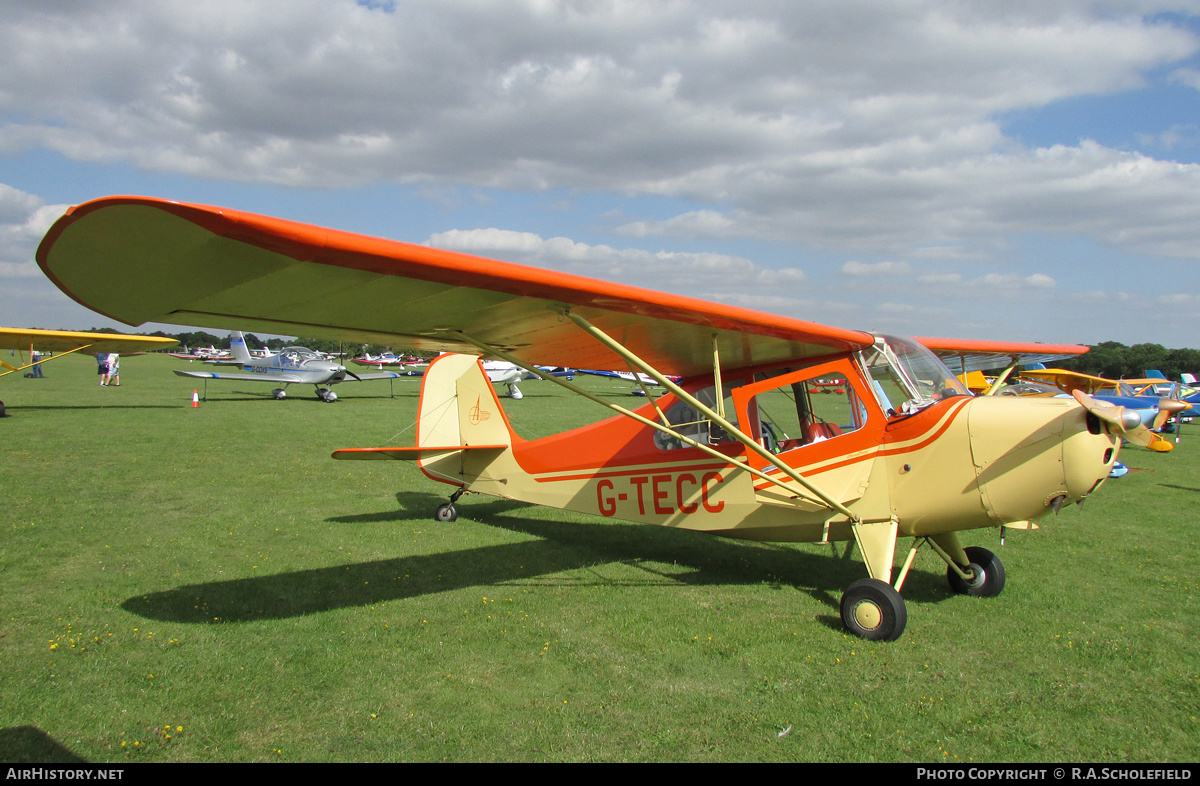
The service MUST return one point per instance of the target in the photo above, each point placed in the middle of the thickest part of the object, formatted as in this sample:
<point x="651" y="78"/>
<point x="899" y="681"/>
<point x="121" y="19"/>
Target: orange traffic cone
<point x="195" y="397"/>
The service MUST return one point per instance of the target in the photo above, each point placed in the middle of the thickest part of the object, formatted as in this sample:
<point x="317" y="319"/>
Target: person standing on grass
<point x="114" y="370"/>
<point x="102" y="367"/>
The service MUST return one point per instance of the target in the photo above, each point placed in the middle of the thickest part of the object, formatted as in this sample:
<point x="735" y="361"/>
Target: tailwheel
<point x="873" y="610"/>
<point x="987" y="572"/>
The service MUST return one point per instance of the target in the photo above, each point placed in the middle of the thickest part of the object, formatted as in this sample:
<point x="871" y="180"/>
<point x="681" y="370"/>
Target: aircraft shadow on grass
<point x="561" y="547"/>
<point x="53" y="408"/>
<point x="31" y="745"/>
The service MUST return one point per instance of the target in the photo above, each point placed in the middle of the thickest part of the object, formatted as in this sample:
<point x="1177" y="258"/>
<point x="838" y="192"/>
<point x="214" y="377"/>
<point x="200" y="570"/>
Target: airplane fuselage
<point x="961" y="462"/>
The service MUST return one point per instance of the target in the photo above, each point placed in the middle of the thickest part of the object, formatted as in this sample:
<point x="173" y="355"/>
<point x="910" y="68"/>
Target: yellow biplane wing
<point x="140" y="260"/>
<point x="1070" y="381"/>
<point x="64" y="342"/>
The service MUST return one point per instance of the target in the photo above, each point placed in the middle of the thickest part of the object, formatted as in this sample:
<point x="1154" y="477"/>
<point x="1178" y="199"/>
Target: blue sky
<point x="1027" y="172"/>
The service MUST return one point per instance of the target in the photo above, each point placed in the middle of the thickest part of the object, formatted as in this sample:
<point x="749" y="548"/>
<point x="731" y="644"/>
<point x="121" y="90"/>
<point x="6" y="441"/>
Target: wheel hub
<point x="868" y="615"/>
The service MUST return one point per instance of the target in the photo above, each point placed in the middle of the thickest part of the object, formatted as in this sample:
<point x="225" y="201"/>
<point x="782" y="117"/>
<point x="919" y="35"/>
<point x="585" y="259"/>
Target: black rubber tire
<point x="873" y="610"/>
<point x="989" y="572"/>
<point x="446" y="513"/>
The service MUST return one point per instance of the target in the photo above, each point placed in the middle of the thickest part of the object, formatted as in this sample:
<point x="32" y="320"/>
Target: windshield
<point x="907" y="376"/>
<point x="300" y="353"/>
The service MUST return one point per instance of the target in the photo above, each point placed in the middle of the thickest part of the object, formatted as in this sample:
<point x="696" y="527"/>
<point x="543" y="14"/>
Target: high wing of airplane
<point x="891" y="446"/>
<point x="1070" y="381"/>
<point x="291" y="365"/>
<point x="66" y="342"/>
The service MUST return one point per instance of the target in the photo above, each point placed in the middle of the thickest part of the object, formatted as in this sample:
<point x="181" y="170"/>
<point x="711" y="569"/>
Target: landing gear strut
<point x="986" y="571"/>
<point x="447" y="512"/>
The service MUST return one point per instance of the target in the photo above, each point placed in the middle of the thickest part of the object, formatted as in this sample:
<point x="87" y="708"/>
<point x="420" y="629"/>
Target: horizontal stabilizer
<point x="407" y="454"/>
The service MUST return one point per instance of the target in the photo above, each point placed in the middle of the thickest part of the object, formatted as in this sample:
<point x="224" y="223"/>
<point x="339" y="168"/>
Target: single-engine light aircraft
<point x="66" y="342"/>
<point x="740" y="448"/>
<point x="289" y="365"/>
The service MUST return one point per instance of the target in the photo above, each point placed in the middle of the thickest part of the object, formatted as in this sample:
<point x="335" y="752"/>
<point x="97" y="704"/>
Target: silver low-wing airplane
<point x="291" y="365"/>
<point x="780" y="430"/>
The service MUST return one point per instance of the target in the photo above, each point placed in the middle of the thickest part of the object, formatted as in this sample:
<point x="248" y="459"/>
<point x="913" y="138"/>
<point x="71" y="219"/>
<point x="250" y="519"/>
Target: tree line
<point x="1114" y="360"/>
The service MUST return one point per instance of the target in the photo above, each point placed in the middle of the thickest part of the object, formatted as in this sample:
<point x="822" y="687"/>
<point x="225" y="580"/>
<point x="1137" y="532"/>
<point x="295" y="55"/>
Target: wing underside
<point x="141" y="260"/>
<point x="963" y="355"/>
<point x="278" y="378"/>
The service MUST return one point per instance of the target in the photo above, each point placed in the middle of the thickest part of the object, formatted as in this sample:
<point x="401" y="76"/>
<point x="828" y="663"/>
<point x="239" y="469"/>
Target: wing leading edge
<point x="138" y="260"/>
<point x="67" y="341"/>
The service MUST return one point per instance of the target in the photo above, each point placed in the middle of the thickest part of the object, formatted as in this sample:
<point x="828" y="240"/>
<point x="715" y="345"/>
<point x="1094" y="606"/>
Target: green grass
<point x="212" y="575"/>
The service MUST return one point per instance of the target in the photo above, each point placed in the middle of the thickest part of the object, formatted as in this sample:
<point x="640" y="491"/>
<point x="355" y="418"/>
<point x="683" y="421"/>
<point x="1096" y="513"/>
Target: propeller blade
<point x="1168" y="408"/>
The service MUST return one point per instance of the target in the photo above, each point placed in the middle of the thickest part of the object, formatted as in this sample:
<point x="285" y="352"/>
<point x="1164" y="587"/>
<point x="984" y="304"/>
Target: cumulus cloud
<point x="853" y="268"/>
<point x="24" y="219"/>
<point x="863" y="130"/>
<point x="858" y="125"/>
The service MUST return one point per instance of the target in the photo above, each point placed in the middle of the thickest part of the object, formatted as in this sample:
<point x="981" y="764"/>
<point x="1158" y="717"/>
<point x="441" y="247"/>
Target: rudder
<point x="459" y="407"/>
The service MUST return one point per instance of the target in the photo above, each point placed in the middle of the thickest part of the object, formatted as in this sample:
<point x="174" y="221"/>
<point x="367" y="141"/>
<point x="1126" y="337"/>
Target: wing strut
<point x="634" y="361"/>
<point x="699" y="406"/>
<point x="1003" y="376"/>
<point x="55" y="356"/>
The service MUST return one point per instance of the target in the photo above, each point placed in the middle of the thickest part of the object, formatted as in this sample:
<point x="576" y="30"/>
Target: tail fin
<point x="459" y="407"/>
<point x="237" y="345"/>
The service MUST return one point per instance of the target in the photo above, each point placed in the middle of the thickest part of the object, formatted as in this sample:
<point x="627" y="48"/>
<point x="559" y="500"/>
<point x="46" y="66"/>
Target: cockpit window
<point x="907" y="376"/>
<point x="692" y="424"/>
<point x="805" y="409"/>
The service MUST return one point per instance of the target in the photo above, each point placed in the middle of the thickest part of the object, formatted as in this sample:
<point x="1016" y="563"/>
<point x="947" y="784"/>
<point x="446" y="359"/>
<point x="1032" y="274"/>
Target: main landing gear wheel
<point x="278" y="393"/>
<point x="446" y="513"/>
<point x="988" y="573"/>
<point x="873" y="610"/>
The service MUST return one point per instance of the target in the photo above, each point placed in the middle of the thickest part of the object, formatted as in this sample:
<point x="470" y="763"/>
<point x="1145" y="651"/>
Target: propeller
<point x="1125" y="422"/>
<point x="343" y="372"/>
<point x="1168" y="408"/>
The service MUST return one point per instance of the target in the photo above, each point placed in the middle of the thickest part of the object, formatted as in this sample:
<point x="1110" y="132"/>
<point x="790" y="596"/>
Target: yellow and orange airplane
<point x="895" y="448"/>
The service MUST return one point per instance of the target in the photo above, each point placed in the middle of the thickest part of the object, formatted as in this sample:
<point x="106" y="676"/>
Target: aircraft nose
<point x="1031" y="455"/>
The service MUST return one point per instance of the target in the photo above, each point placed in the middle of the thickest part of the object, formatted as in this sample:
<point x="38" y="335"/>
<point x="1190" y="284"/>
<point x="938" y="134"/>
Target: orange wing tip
<point x="405" y="454"/>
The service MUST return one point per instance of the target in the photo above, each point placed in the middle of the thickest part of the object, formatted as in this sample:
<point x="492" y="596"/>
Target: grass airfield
<point x="205" y="584"/>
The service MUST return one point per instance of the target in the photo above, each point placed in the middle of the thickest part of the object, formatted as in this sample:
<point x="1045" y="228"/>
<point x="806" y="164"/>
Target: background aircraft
<point x="290" y="365"/>
<point x="1153" y="410"/>
<point x="741" y="448"/>
<point x="65" y="342"/>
